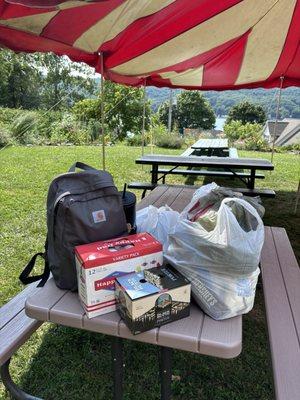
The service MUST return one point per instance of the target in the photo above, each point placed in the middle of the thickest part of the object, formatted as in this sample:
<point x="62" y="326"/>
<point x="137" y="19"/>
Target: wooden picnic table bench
<point x="203" y="172"/>
<point x="197" y="333"/>
<point x="15" y="328"/>
<point x="188" y="152"/>
<point x="233" y="153"/>
<point x="225" y="163"/>
<point x="281" y="285"/>
<point x="145" y="186"/>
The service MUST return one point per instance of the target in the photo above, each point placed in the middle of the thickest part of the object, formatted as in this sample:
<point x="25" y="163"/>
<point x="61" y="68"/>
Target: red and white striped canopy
<point x="194" y="44"/>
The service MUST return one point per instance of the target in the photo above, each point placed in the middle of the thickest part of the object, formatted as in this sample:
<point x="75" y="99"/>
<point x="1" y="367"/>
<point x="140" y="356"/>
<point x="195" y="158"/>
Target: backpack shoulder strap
<point x="25" y="277"/>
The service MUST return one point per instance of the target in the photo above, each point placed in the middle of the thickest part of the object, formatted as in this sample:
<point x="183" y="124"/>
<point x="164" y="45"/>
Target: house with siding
<point x="287" y="132"/>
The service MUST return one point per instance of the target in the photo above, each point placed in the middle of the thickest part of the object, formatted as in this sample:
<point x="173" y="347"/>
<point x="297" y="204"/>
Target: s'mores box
<point x="98" y="264"/>
<point x="152" y="298"/>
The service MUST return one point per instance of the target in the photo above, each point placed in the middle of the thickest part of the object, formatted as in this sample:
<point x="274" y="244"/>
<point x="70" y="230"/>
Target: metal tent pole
<point x="144" y="118"/>
<point x="297" y="198"/>
<point x="102" y="110"/>
<point x="170" y="111"/>
<point x="277" y="116"/>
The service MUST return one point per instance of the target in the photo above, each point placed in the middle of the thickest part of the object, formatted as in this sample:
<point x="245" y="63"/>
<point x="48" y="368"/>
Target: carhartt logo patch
<point x="99" y="216"/>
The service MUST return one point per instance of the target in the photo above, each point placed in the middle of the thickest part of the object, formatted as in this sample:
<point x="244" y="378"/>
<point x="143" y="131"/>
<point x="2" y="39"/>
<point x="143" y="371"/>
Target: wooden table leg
<point x="165" y="372"/>
<point x="118" y="367"/>
<point x="251" y="183"/>
<point x="154" y="172"/>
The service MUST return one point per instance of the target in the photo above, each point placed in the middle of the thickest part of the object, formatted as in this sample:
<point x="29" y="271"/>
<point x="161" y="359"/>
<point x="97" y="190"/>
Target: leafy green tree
<point x="247" y="112"/>
<point x="42" y="81"/>
<point x="64" y="82"/>
<point x="194" y="111"/>
<point x="19" y="80"/>
<point x="163" y="114"/>
<point x="123" y="109"/>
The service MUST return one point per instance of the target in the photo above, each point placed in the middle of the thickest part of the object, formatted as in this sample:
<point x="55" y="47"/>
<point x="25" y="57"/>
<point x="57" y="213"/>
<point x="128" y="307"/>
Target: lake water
<point x="220" y="122"/>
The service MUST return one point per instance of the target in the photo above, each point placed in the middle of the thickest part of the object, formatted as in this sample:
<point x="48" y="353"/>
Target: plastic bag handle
<point x="243" y="203"/>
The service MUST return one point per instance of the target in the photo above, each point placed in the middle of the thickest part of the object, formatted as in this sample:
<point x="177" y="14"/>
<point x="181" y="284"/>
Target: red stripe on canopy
<point x="65" y="24"/>
<point x="229" y="61"/>
<point x="154" y="30"/>
<point x="199" y="44"/>
<point x="33" y="44"/>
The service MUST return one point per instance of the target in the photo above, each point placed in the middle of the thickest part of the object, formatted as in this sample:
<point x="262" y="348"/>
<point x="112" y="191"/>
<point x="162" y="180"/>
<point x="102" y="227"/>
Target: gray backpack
<point x="82" y="207"/>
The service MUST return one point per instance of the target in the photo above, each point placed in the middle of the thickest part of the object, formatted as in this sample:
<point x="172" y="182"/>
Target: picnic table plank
<point x="183" y="200"/>
<point x="290" y="272"/>
<point x="147" y="337"/>
<point x="108" y="324"/>
<point x="168" y="197"/>
<point x="67" y="311"/>
<point x="210" y="144"/>
<point x="221" y="338"/>
<point x="152" y="197"/>
<point x="233" y="153"/>
<point x="188" y="152"/>
<point x="183" y="334"/>
<point x="38" y="305"/>
<point x="9" y="334"/>
<point x="224" y="162"/>
<point x="283" y="335"/>
<point x="16" y="304"/>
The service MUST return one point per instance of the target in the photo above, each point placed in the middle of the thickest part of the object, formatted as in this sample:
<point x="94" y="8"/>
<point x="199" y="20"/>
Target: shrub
<point x="157" y="131"/>
<point x="5" y="137"/>
<point x="69" y="131"/>
<point x="24" y="127"/>
<point x="94" y="129"/>
<point x="170" y="141"/>
<point x="45" y="122"/>
<point x="87" y="109"/>
<point x="247" y="136"/>
<point x="255" y="141"/>
<point x="291" y="147"/>
<point x="136" y="140"/>
<point x="9" y="115"/>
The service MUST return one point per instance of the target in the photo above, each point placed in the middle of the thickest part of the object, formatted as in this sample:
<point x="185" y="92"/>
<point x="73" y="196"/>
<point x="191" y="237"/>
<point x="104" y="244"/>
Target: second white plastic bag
<point x="159" y="222"/>
<point x="221" y="263"/>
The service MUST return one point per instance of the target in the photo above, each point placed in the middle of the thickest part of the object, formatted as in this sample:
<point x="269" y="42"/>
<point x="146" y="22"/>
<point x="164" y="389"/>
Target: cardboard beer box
<point x="98" y="264"/>
<point x="152" y="298"/>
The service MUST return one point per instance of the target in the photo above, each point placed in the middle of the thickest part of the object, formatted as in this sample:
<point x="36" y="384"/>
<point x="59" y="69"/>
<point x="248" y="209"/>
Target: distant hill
<point x="221" y="102"/>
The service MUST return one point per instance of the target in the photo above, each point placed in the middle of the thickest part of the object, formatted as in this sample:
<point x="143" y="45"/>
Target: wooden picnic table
<point x="197" y="333"/>
<point x="230" y="165"/>
<point x="210" y="144"/>
<point x="211" y="148"/>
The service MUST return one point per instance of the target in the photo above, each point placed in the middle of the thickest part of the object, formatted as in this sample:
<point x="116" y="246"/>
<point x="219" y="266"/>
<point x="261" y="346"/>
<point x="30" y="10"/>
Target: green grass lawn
<point x="63" y="363"/>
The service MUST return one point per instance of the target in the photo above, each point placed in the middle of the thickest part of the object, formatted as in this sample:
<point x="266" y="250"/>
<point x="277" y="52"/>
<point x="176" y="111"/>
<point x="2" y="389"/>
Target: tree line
<point x="42" y="81"/>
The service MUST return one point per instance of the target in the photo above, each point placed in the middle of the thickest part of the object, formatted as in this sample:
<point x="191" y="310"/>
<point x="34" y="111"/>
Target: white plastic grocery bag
<point x="159" y="222"/>
<point x="221" y="259"/>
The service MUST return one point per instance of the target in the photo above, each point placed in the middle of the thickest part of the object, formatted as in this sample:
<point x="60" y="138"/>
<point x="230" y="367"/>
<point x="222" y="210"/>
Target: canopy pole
<point x="102" y="110"/>
<point x="277" y="116"/>
<point x="297" y="198"/>
<point x="170" y="111"/>
<point x="144" y="118"/>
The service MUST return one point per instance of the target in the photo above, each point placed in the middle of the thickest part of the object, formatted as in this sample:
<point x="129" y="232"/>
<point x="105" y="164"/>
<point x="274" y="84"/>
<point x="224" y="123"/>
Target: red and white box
<point x="100" y="263"/>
